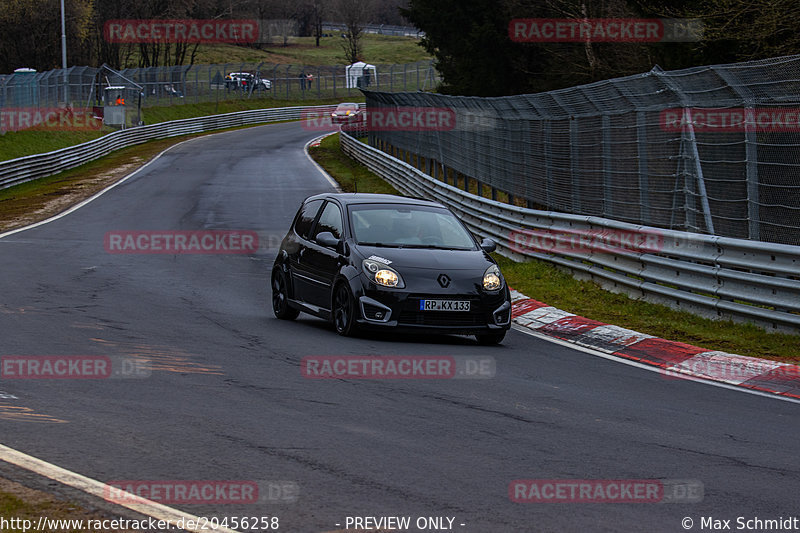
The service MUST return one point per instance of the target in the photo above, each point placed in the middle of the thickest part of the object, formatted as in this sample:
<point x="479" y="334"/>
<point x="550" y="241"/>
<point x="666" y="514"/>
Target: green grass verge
<point x="303" y="51"/>
<point x="153" y="115"/>
<point x="29" y="142"/>
<point x="351" y="175"/>
<point x="33" y="201"/>
<point x="545" y="282"/>
<point x="26" y="504"/>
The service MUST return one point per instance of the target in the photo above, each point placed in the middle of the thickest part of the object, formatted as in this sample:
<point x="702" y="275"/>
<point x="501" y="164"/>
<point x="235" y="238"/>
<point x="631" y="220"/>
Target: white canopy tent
<point x="360" y="74"/>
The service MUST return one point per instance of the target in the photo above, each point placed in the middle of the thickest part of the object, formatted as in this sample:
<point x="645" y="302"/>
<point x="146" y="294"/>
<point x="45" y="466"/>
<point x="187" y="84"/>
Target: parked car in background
<point x="245" y="81"/>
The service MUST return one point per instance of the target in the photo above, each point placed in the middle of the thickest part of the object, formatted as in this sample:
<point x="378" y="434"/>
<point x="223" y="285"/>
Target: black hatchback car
<point x="376" y="261"/>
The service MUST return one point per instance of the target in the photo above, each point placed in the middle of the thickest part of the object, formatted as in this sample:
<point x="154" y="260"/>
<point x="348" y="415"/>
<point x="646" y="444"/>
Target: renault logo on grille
<point x="443" y="280"/>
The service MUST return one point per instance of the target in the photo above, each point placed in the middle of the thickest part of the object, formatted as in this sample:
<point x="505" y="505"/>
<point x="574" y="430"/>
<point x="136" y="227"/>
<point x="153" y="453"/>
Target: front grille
<point x="411" y="315"/>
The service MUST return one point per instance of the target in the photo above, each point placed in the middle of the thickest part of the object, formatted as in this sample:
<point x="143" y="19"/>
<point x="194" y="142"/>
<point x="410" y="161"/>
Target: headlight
<point x="492" y="278"/>
<point x="382" y="274"/>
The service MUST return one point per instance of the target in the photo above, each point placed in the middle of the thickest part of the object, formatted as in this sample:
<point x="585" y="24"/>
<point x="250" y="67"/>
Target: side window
<point x="305" y="219"/>
<point x="330" y="220"/>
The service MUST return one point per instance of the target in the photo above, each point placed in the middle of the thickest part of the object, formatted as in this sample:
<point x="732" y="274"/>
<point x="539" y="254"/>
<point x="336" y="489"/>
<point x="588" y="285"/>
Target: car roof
<point x="350" y="198"/>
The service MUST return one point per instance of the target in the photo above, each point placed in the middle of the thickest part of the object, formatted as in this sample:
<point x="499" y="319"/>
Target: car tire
<point x="490" y="339"/>
<point x="343" y="310"/>
<point x="280" y="297"/>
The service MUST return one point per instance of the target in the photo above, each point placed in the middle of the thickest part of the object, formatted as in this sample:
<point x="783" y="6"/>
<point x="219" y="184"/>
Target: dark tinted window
<point x="306" y="218"/>
<point x="408" y="226"/>
<point x="330" y="220"/>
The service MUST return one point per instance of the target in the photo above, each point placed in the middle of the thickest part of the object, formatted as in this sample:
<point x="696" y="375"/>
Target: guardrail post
<point x="751" y="151"/>
<point x="608" y="182"/>
<point x="574" y="154"/>
<point x="751" y="165"/>
<point x="644" y="178"/>
<point x="548" y="163"/>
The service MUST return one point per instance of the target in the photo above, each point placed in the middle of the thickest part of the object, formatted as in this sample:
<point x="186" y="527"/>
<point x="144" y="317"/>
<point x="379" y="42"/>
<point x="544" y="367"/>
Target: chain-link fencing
<point x="84" y="87"/>
<point x="708" y="149"/>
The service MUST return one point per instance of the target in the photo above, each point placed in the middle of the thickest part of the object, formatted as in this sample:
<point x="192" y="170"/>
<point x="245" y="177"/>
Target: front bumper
<point x="397" y="310"/>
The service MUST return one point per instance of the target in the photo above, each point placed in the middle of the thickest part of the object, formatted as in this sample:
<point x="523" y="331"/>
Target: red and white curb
<point x="676" y="359"/>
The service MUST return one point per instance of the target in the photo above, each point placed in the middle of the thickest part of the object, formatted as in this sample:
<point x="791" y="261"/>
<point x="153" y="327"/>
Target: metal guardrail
<point x="714" y="276"/>
<point x="706" y="149"/>
<point x="23" y="169"/>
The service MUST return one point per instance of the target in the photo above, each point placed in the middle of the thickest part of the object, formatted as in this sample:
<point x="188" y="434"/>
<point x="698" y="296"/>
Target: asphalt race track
<point x="226" y="399"/>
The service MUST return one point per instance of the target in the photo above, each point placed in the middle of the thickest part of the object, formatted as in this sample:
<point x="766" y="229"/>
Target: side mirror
<point x="488" y="245"/>
<point x="326" y="238"/>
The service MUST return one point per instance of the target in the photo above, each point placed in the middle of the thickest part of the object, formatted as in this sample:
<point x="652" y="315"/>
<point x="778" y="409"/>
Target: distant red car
<point x="346" y="113"/>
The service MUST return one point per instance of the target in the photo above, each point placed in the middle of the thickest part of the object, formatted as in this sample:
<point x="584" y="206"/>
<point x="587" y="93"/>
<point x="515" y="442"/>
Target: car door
<point x="302" y="282"/>
<point x="321" y="262"/>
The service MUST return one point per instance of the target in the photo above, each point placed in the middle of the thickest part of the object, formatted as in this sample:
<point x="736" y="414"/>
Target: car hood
<point x="427" y="258"/>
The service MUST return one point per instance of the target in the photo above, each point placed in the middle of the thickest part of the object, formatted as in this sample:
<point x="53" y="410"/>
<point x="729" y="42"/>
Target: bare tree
<point x="354" y="14"/>
<point x="29" y="31"/>
<point x="317" y="13"/>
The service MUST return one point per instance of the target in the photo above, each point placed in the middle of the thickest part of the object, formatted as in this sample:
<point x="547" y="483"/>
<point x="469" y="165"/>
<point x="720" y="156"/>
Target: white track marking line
<point x="650" y="368"/>
<point x="95" y="196"/>
<point x="120" y="182"/>
<point x="101" y="490"/>
<point x="321" y="170"/>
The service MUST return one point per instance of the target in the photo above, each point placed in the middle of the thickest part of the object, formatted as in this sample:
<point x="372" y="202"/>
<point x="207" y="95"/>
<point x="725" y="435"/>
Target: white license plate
<point x="444" y="305"/>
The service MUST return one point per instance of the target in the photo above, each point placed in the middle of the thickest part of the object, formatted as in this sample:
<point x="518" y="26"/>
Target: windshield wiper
<point x="380" y="244"/>
<point x="433" y="247"/>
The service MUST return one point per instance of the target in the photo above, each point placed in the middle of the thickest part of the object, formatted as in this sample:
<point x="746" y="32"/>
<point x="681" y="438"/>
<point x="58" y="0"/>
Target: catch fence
<point x="712" y="150"/>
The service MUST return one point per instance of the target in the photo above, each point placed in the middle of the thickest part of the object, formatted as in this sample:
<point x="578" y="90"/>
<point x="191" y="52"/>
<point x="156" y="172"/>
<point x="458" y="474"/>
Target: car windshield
<point x="342" y="108"/>
<point x="408" y="226"/>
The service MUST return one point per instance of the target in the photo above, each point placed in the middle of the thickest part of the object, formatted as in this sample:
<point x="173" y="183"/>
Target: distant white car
<point x="246" y="80"/>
